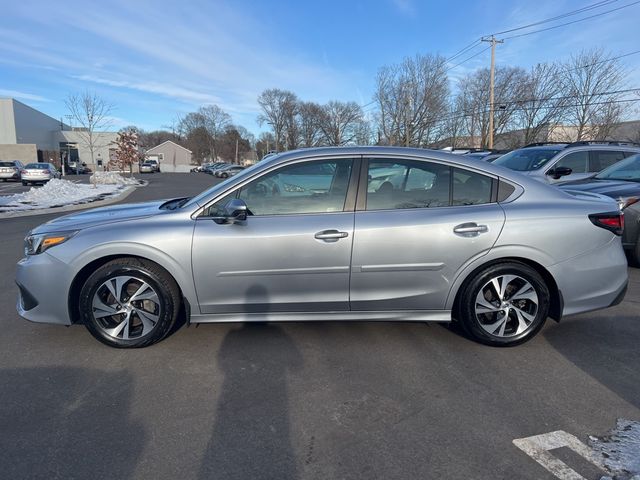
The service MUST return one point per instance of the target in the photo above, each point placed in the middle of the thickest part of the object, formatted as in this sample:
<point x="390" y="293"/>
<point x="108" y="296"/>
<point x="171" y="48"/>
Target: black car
<point x="620" y="181"/>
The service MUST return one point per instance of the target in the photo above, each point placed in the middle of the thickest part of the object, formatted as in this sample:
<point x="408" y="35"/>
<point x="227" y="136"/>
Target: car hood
<point x="101" y="216"/>
<point x="611" y="188"/>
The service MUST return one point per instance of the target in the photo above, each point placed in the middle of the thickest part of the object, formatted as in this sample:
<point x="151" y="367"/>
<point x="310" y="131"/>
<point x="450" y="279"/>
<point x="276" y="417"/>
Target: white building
<point x="29" y="135"/>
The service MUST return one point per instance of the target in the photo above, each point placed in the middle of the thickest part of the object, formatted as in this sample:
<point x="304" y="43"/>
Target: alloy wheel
<point x="506" y="306"/>
<point x="126" y="307"/>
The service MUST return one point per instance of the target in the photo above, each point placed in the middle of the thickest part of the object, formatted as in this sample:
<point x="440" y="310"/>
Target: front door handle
<point x="330" y="235"/>
<point x="470" y="229"/>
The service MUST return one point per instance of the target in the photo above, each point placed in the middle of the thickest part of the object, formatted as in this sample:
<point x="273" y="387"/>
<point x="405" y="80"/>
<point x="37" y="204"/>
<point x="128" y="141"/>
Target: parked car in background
<point x="147" y="167"/>
<point x="211" y="169"/>
<point x="622" y="183"/>
<point x="555" y="162"/>
<point x="228" y="171"/>
<point x="492" y="157"/>
<point x="39" y="173"/>
<point x="10" y="170"/>
<point x="457" y="240"/>
<point x="154" y="164"/>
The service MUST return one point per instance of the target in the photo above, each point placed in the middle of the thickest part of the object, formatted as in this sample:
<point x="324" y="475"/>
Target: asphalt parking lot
<point x="312" y="401"/>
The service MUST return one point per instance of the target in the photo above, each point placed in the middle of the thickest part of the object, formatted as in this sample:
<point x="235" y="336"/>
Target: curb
<point x="70" y="208"/>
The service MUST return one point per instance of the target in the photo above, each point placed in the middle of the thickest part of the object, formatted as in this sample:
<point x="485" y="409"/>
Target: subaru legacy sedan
<point x="358" y="233"/>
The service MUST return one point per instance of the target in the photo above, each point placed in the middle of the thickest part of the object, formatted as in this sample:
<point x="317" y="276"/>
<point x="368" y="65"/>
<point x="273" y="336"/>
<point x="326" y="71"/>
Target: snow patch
<point x="620" y="450"/>
<point x="57" y="193"/>
<point x="111" y="178"/>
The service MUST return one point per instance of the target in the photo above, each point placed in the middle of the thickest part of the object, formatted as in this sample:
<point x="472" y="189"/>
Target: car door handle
<point x="330" y="235"/>
<point x="470" y="229"/>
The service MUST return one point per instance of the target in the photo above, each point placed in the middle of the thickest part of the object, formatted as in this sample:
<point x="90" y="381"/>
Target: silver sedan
<point x="366" y="233"/>
<point x="39" y="173"/>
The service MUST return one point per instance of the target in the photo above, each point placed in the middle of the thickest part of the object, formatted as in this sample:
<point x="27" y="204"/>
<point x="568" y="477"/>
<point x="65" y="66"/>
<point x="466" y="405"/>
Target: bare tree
<point x="265" y="144"/>
<point x="92" y="114"/>
<point x="453" y="123"/>
<point x="542" y="103"/>
<point x="278" y="108"/>
<point x="474" y="94"/>
<point x="309" y="118"/>
<point x="215" y="120"/>
<point x="411" y="98"/>
<point x="593" y="82"/>
<point x="339" y="122"/>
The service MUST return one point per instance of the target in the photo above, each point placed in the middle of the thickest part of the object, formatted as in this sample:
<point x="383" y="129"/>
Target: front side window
<point x="578" y="162"/>
<point x="302" y="188"/>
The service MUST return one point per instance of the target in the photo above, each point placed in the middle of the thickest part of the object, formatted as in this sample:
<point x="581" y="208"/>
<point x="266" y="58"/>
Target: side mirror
<point x="558" y="172"/>
<point x="235" y="211"/>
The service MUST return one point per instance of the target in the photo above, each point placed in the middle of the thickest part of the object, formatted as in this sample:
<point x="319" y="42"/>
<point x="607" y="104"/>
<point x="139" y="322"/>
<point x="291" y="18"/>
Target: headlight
<point x="624" y="202"/>
<point x="38" y="243"/>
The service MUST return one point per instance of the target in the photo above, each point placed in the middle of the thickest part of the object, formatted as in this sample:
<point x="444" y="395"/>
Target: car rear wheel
<point x="505" y="304"/>
<point x="24" y="184"/>
<point x="129" y="303"/>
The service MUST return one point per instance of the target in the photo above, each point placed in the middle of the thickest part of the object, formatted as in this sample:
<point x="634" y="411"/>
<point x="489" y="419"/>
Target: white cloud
<point x="22" y="95"/>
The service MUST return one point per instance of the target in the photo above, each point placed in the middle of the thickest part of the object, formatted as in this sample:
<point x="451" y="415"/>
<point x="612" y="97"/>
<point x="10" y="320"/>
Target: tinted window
<point x="604" y="159"/>
<point x="504" y="191"/>
<point x="407" y="184"/>
<point x="7" y="164"/>
<point x="309" y="187"/>
<point x="470" y="188"/>
<point x="527" y="159"/>
<point x="37" y="166"/>
<point x="578" y="162"/>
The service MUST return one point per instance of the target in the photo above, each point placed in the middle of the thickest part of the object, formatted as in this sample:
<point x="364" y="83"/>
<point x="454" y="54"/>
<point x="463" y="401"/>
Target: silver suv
<point x="555" y="162"/>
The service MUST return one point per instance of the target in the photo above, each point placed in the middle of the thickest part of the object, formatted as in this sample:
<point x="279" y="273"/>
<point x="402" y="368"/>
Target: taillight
<point x="46" y="171"/>
<point x="612" y="221"/>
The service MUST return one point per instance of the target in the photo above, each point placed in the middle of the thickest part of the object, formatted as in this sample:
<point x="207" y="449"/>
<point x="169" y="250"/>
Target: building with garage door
<point x="171" y="157"/>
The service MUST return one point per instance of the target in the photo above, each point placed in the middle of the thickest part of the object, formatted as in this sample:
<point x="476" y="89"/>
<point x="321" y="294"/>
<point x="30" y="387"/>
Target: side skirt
<point x="382" y="316"/>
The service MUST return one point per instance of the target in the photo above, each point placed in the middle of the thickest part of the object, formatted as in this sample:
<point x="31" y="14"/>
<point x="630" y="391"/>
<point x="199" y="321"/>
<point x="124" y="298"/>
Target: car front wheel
<point x="505" y="304"/>
<point x="129" y="303"/>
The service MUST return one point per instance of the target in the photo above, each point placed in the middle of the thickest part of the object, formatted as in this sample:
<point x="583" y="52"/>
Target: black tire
<point x="633" y="254"/>
<point x="154" y="276"/>
<point x="24" y="184"/>
<point x="476" y="325"/>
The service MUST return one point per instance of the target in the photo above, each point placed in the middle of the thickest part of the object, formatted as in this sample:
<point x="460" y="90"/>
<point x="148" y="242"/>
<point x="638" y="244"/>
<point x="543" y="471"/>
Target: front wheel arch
<point x="556" y="305"/>
<point x="84" y="273"/>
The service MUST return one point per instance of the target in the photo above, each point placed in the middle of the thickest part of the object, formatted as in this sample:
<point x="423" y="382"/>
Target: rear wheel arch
<point x="556" y="302"/>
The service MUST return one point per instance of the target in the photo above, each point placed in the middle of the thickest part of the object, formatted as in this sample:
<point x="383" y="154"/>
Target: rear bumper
<point x="10" y="175"/>
<point x="36" y="178"/>
<point x="592" y="281"/>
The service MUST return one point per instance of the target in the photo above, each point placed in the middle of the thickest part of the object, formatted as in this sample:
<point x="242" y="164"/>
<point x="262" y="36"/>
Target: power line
<point x="572" y="22"/>
<point x="603" y="61"/>
<point x="472" y="56"/>
<point x="558" y="17"/>
<point x="568" y="97"/>
<point x="464" y="50"/>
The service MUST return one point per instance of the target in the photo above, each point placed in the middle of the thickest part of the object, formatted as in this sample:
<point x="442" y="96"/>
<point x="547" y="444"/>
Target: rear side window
<point x="399" y="184"/>
<point x="578" y="162"/>
<point x="470" y="188"/>
<point x="7" y="164"/>
<point x="601" y="159"/>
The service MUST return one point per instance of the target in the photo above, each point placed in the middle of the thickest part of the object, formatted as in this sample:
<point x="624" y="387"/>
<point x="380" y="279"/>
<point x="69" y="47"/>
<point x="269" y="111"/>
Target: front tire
<point x="505" y="304"/>
<point x="129" y="303"/>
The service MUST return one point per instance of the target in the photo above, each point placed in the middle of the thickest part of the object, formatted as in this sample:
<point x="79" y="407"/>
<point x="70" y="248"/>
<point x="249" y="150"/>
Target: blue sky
<point x="157" y="60"/>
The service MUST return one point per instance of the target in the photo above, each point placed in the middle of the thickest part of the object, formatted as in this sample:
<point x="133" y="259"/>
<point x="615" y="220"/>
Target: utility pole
<point x="236" y="150"/>
<point x="493" y="42"/>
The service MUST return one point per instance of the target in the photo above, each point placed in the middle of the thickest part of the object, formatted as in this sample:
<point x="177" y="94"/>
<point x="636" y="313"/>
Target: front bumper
<point x="44" y="284"/>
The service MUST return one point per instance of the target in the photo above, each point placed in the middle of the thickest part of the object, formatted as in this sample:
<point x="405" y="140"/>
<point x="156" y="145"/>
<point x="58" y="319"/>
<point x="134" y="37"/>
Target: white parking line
<point x="538" y="446"/>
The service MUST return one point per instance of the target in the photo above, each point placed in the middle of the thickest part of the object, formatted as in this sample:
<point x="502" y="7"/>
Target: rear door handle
<point x="470" y="229"/>
<point x="330" y="235"/>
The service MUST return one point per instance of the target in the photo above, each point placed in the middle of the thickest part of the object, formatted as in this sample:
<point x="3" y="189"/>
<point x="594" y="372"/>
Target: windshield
<point x="527" y="159"/>
<point x="221" y="186"/>
<point x="627" y="169"/>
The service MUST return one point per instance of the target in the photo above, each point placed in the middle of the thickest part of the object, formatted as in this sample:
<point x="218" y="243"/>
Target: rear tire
<point x="634" y="254"/>
<point x="505" y="304"/>
<point x="24" y="184"/>
<point x="129" y="303"/>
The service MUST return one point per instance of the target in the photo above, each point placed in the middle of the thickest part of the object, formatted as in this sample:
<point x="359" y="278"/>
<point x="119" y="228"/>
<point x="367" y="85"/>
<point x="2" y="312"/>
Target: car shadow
<point x="604" y="348"/>
<point x="67" y="423"/>
<point x="251" y="432"/>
